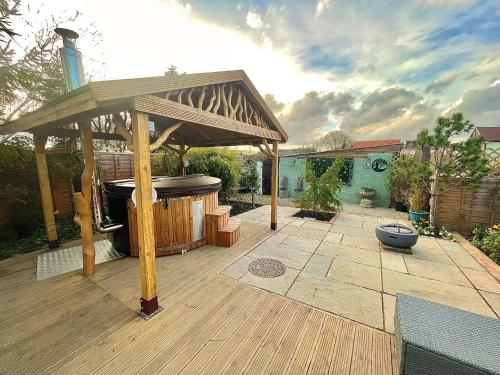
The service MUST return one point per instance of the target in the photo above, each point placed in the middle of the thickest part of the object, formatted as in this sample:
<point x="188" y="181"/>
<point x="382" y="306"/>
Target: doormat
<point x="66" y="260"/>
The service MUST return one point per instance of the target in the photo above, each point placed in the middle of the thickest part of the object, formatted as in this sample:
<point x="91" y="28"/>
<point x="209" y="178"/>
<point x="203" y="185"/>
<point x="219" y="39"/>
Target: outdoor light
<point x="185" y="163"/>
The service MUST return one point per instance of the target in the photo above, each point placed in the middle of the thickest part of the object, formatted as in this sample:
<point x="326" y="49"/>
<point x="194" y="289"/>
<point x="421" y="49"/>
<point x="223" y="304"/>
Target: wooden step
<point x="228" y="235"/>
<point x="214" y="221"/>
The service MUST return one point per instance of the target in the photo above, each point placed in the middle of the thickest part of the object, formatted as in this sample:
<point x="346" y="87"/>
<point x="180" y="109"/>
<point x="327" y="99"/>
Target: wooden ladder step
<point x="214" y="221"/>
<point x="229" y="234"/>
<point x="220" y="211"/>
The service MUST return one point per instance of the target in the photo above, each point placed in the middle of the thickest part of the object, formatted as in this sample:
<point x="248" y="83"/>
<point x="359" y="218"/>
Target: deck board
<point x="211" y="324"/>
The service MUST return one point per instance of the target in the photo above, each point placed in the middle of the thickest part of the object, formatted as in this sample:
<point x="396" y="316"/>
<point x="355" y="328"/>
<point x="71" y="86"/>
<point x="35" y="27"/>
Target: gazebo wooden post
<point x="145" y="225"/>
<point x="40" y="141"/>
<point x="182" y="152"/>
<point x="83" y="200"/>
<point x="274" y="187"/>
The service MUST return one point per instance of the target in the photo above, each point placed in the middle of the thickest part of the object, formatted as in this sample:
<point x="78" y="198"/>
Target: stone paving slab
<point x="348" y="222"/>
<point x="356" y="273"/>
<point x="304" y="232"/>
<point x="436" y="271"/>
<point x="464" y="259"/>
<point x="333" y="237"/>
<point x="363" y="243"/>
<point x="389" y="308"/>
<point x="434" y="255"/>
<point x="351" y="301"/>
<point x="353" y="254"/>
<point x="482" y="280"/>
<point x="279" y="285"/>
<point x="493" y="300"/>
<point x="449" y="294"/>
<point x="239" y="268"/>
<point x="290" y="256"/>
<point x="318" y="265"/>
<point x="305" y="244"/>
<point x="359" y="232"/>
<point x="317" y="225"/>
<point x="394" y="262"/>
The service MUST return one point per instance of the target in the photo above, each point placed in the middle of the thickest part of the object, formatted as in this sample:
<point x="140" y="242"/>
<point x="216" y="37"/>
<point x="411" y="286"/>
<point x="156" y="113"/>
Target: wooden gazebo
<point x="187" y="110"/>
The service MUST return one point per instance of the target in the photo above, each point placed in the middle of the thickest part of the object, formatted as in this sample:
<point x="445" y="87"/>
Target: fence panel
<point x="461" y="209"/>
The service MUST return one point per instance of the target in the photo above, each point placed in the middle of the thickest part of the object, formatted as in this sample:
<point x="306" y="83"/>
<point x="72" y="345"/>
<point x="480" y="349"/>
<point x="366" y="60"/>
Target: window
<point x="320" y="165"/>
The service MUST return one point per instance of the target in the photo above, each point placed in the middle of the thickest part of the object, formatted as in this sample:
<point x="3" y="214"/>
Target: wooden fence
<point x="461" y="209"/>
<point x="110" y="166"/>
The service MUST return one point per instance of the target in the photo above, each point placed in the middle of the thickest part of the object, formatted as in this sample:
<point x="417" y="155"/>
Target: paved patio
<point x="340" y="267"/>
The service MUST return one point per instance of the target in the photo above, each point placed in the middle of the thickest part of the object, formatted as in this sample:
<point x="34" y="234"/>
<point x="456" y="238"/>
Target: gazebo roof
<point x="218" y="108"/>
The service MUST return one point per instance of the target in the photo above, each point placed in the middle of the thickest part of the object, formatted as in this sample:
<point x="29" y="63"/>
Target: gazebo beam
<point x="145" y="225"/>
<point x="274" y="187"/>
<point x="40" y="141"/>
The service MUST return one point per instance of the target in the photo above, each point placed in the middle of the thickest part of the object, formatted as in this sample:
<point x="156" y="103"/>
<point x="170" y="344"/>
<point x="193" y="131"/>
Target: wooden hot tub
<point x="187" y="215"/>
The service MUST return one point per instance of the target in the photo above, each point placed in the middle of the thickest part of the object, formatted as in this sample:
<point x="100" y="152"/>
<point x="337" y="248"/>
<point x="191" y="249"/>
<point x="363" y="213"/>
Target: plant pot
<point x="367" y="194"/>
<point x="400" y="207"/>
<point x="417" y="216"/>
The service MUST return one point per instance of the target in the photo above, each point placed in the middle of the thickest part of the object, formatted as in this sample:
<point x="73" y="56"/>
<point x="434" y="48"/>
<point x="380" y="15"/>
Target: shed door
<point x="198" y="220"/>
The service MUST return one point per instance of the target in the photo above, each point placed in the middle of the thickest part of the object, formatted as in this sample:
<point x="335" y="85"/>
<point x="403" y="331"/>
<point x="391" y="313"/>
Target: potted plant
<point x="401" y="176"/>
<point x="367" y="194"/>
<point x="418" y="205"/>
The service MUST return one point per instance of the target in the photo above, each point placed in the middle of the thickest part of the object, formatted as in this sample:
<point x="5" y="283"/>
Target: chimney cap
<point x="66" y="33"/>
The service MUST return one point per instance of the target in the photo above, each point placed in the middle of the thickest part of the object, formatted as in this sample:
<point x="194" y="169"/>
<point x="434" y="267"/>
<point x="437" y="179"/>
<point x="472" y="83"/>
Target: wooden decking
<point x="211" y="324"/>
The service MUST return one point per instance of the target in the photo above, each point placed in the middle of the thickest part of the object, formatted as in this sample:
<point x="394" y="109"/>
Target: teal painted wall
<point x="362" y="176"/>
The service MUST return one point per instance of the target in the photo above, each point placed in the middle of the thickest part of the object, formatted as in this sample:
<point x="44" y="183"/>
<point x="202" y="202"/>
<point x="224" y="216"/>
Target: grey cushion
<point x="436" y="339"/>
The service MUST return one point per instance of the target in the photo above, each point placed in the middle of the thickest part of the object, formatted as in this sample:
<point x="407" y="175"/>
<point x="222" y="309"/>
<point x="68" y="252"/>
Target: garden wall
<point x="293" y="168"/>
<point x="461" y="209"/>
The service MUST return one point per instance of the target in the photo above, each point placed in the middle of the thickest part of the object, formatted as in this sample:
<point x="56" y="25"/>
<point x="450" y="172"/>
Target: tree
<point x="250" y="178"/>
<point x="30" y="68"/>
<point x="402" y="176"/>
<point x="322" y="192"/>
<point x="333" y="140"/>
<point x="461" y="162"/>
<point x="8" y="10"/>
<point x="217" y="162"/>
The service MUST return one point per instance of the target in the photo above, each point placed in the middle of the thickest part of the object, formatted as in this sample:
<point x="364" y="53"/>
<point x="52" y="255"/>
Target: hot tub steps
<point x="221" y="229"/>
<point x="229" y="234"/>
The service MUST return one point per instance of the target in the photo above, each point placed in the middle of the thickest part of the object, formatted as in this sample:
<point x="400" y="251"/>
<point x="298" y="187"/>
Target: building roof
<point x="166" y="98"/>
<point x="373" y="143"/>
<point x="491" y="134"/>
<point x="351" y="152"/>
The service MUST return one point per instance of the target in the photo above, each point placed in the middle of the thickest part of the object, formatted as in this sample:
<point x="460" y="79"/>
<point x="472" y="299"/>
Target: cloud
<point x="480" y="100"/>
<point x="439" y="84"/>
<point x="322" y="6"/>
<point x="389" y="113"/>
<point x="273" y="104"/>
<point x="309" y="117"/>
<point x="254" y="19"/>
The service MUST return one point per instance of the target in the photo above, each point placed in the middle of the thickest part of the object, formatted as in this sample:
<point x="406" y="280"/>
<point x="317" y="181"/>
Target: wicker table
<point x="437" y="339"/>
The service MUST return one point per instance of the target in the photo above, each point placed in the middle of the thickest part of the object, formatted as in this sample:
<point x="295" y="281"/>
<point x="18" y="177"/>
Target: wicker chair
<point x="435" y="339"/>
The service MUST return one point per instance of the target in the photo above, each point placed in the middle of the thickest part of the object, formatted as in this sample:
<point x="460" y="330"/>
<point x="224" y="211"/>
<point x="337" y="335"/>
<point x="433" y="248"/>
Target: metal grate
<point x="66" y="260"/>
<point x="267" y="267"/>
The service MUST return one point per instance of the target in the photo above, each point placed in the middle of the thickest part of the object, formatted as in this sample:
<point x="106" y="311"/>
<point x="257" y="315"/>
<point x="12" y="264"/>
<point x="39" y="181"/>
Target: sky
<point x="374" y="69"/>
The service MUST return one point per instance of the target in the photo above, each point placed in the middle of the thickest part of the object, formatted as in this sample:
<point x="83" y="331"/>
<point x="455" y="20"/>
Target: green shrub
<point x="487" y="240"/>
<point x="491" y="243"/>
<point x="478" y="234"/>
<point x="250" y="181"/>
<point x="322" y="193"/>
<point x="216" y="162"/>
<point x="168" y="162"/>
<point x="12" y="242"/>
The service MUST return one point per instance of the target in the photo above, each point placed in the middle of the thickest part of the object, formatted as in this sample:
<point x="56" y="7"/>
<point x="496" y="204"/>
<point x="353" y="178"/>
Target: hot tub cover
<point x="168" y="187"/>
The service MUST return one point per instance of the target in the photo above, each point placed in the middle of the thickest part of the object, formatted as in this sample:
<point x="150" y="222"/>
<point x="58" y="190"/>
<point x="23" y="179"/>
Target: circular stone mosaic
<point x="266" y="267"/>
